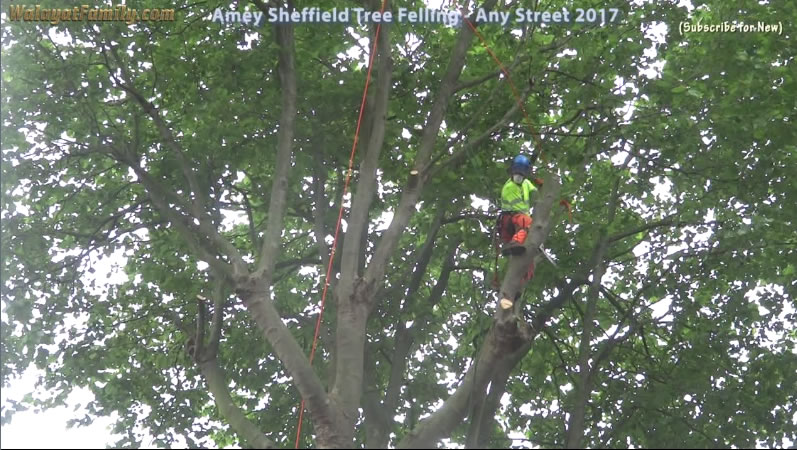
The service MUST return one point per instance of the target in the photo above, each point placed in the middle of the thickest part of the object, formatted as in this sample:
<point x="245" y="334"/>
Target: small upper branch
<point x="444" y="93"/>
<point x="165" y="133"/>
<point x="666" y="222"/>
<point x="445" y="272"/>
<point x="572" y="77"/>
<point x="458" y="155"/>
<point x="424" y="256"/>
<point x="480" y="113"/>
<point x="477" y="81"/>
<point x="465" y="216"/>
<point x="566" y="291"/>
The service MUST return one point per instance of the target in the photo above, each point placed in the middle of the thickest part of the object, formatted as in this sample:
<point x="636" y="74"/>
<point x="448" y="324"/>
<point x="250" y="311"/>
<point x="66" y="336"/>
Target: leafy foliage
<point x="677" y="154"/>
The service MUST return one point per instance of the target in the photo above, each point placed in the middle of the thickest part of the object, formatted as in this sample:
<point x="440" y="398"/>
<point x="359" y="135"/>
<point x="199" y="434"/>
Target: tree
<point x="212" y="158"/>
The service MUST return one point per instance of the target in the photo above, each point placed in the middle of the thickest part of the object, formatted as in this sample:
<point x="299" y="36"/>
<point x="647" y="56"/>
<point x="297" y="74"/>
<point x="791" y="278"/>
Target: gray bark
<point x="483" y="417"/>
<point x="279" y="189"/>
<point x="219" y="388"/>
<point x="583" y="388"/>
<point x="354" y="293"/>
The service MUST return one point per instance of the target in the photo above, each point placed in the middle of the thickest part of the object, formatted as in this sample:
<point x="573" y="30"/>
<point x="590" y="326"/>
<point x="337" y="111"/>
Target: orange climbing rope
<point x="340" y="214"/>
<point x="534" y="134"/>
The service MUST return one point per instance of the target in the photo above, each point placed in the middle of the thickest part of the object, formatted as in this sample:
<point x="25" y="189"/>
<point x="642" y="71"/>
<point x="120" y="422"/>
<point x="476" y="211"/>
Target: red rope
<point x="340" y="215"/>
<point x="534" y="134"/>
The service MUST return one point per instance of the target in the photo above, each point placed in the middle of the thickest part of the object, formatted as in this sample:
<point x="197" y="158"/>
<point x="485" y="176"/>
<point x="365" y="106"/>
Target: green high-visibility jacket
<point x="517" y="197"/>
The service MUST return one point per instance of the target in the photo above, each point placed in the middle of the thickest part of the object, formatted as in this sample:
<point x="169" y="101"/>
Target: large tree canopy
<point x="203" y="165"/>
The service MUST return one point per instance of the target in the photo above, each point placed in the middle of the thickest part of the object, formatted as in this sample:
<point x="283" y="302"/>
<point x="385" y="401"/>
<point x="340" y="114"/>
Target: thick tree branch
<point x="201" y="322"/>
<point x="255" y="295"/>
<point x="279" y="188"/>
<point x="354" y="292"/>
<point x="165" y="133"/>
<point x="321" y="204"/>
<point x="366" y="186"/>
<point x="412" y="192"/>
<point x="483" y="418"/>
<point x="515" y="278"/>
<point x="218" y="386"/>
<point x="405" y="338"/>
<point x="160" y="193"/>
<point x="450" y="415"/>
<point x="575" y="427"/>
<point x="204" y="248"/>
<point x="377" y="420"/>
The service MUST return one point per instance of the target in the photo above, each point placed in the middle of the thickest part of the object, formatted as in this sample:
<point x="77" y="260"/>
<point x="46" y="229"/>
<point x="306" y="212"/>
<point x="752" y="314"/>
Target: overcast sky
<point x="48" y="429"/>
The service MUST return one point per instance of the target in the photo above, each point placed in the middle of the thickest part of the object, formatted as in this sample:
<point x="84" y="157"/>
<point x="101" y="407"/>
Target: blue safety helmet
<point x="521" y="164"/>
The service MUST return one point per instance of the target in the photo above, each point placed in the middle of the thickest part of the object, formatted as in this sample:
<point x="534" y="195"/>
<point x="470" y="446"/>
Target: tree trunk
<point x="583" y="388"/>
<point x="575" y="427"/>
<point x="480" y="427"/>
<point x="509" y="334"/>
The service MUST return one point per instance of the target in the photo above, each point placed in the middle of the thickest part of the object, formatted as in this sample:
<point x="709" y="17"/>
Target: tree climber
<point x="514" y="221"/>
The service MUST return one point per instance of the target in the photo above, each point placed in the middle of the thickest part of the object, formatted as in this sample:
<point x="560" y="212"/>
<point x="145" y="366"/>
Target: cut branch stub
<point x="413" y="181"/>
